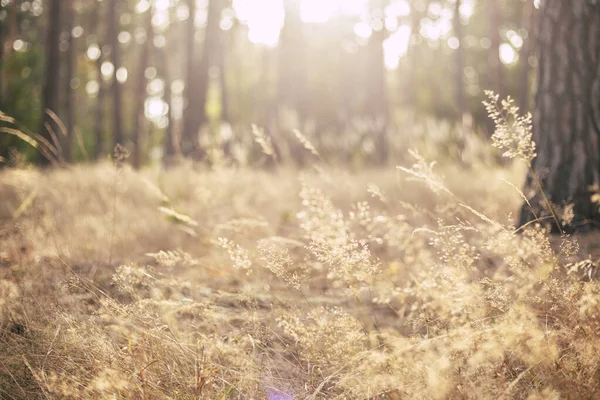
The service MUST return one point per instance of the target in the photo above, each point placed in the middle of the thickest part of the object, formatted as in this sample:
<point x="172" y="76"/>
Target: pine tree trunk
<point x="225" y="113"/>
<point x="292" y="79"/>
<point x="223" y="86"/>
<point x="11" y="34"/>
<point x="495" y="65"/>
<point x="198" y="83"/>
<point x="69" y="115"/>
<point x="377" y="99"/>
<point x="99" y="120"/>
<point x="2" y="44"/>
<point x="529" y="22"/>
<point x="566" y="115"/>
<point x="50" y="90"/>
<point x="169" y="146"/>
<point x="408" y="74"/>
<point x="189" y="138"/>
<point x="459" y="55"/>
<point x="139" y="118"/>
<point x="169" y="140"/>
<point x="117" y="98"/>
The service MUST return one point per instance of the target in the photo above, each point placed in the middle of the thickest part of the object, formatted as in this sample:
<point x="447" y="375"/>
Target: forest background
<point x="187" y="77"/>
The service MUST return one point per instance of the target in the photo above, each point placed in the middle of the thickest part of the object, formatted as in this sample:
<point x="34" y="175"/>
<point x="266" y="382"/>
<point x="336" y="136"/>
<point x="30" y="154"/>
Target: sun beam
<point x="265" y="18"/>
<point x="264" y="27"/>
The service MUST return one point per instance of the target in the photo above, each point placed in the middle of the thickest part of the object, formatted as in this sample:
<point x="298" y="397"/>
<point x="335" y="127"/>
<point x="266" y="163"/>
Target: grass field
<point x="231" y="282"/>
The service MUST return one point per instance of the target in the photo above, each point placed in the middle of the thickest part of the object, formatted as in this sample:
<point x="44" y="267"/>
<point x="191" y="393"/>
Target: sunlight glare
<point x="122" y="75"/>
<point x="353" y="7"/>
<point x="263" y="27"/>
<point x="93" y="52"/>
<point x="508" y="55"/>
<point x="453" y="42"/>
<point x="162" y="5"/>
<point x="399" y="8"/>
<point x="317" y="11"/>
<point x="155" y="108"/>
<point x="435" y="30"/>
<point x="160" y="19"/>
<point x="515" y="39"/>
<point x="182" y="12"/>
<point x="155" y="87"/>
<point x="150" y="73"/>
<point x="177" y="87"/>
<point x="92" y="88"/>
<point x="107" y="69"/>
<point x="124" y="37"/>
<point x="363" y="30"/>
<point x="467" y="9"/>
<point x="142" y="6"/>
<point x="396" y="46"/>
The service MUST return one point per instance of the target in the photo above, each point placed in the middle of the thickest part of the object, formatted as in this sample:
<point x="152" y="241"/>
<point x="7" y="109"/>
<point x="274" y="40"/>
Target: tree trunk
<point x="69" y="115"/>
<point x="169" y="148"/>
<point x="169" y="140"/>
<point x="459" y="55"/>
<point x="11" y="34"/>
<point x="566" y="117"/>
<point x="292" y="80"/>
<point x="139" y="118"/>
<point x="529" y="23"/>
<point x="225" y="113"/>
<point x="495" y="65"/>
<point x="2" y="44"/>
<point x="188" y="137"/>
<point x="408" y="73"/>
<point x="377" y="99"/>
<point x="117" y="99"/>
<point x="100" y="112"/>
<point x="99" y="120"/>
<point x="50" y="90"/>
<point x="198" y="82"/>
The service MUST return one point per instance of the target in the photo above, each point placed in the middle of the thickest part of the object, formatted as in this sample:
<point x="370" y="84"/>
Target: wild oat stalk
<point x="306" y="143"/>
<point x="264" y="141"/>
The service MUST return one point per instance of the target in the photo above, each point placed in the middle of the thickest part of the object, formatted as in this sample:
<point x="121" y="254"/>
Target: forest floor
<point x="325" y="283"/>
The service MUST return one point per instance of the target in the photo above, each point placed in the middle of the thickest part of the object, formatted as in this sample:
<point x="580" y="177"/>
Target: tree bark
<point x="495" y="65"/>
<point x="529" y="23"/>
<point x="139" y="118"/>
<point x="292" y="80"/>
<point x="225" y="113"/>
<point x="52" y="76"/>
<point x="198" y="82"/>
<point x="169" y="144"/>
<point x="459" y="60"/>
<point x="117" y="98"/>
<point x="377" y="97"/>
<point x="566" y="117"/>
<point x="69" y="115"/>
<point x="2" y="44"/>
<point x="169" y="140"/>
<point x="408" y="74"/>
<point x="99" y="120"/>
<point x="189" y="138"/>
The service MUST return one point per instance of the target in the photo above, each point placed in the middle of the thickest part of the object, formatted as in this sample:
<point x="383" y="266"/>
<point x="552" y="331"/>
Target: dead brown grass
<point x="238" y="283"/>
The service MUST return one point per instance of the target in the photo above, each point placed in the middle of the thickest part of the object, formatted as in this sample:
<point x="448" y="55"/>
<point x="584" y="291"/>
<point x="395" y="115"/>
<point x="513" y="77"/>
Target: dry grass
<point x="239" y="283"/>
